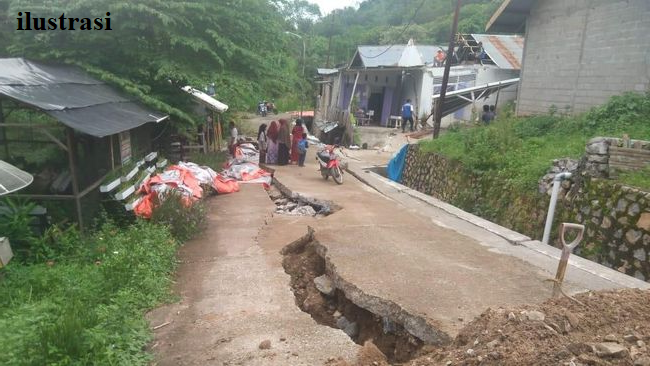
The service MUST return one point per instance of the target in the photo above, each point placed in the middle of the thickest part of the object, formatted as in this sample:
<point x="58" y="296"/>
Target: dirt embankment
<point x="604" y="328"/>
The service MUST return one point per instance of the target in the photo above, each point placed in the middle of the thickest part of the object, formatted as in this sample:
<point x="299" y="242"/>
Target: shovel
<point x="566" y="252"/>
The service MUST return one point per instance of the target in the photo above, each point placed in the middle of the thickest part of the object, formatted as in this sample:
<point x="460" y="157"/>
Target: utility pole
<point x="445" y="77"/>
<point x="302" y="93"/>
<point x="329" y="44"/>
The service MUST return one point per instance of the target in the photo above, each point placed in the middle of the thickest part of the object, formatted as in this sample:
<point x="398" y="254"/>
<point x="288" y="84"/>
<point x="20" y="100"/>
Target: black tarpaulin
<point x="72" y="97"/>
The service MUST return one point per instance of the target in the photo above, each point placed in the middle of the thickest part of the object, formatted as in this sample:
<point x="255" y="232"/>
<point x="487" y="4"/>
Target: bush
<point x="15" y="220"/>
<point x="87" y="311"/>
<point x="181" y="217"/>
<point x="520" y="150"/>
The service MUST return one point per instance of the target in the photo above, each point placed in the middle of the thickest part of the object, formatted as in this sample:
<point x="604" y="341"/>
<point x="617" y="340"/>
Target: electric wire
<point x="401" y="33"/>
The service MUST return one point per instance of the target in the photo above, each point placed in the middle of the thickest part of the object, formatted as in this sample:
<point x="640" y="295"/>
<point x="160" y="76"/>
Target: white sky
<point x="327" y="6"/>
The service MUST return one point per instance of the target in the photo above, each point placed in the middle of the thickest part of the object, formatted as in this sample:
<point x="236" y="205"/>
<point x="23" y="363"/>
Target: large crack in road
<point x="331" y="301"/>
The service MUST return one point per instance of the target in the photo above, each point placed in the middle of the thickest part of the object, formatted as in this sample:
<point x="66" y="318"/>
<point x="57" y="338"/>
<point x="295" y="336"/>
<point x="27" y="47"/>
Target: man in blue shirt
<point x="407" y="115"/>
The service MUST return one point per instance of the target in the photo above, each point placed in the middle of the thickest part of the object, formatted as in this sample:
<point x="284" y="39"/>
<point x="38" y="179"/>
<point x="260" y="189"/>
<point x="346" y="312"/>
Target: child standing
<point x="303" y="145"/>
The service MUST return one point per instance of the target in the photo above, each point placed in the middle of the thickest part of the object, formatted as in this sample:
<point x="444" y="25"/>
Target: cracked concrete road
<point x="392" y="255"/>
<point x="235" y="294"/>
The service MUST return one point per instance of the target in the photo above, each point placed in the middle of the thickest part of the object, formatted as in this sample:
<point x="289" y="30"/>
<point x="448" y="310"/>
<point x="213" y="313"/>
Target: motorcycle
<point x="329" y="164"/>
<point x="261" y="109"/>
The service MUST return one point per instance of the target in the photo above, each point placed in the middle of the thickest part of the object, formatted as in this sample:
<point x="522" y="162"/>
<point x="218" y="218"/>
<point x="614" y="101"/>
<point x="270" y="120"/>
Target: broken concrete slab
<point x="324" y="285"/>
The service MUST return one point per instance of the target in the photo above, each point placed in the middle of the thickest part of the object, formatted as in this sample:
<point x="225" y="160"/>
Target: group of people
<point x="280" y="146"/>
<point x="489" y="114"/>
<point x="264" y="107"/>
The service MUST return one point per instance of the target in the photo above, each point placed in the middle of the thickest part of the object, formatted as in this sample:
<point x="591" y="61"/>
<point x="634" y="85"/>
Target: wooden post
<point x="4" y="132"/>
<point x="112" y="154"/>
<point x="214" y="132"/>
<point x="349" y="129"/>
<point x="445" y="77"/>
<point x="73" y="172"/>
<point x="219" y="132"/>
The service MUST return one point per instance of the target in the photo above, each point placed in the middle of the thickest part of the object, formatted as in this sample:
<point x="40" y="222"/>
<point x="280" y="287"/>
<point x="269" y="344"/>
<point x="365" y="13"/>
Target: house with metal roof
<point x="70" y="131"/>
<point x="577" y="53"/>
<point x="379" y="79"/>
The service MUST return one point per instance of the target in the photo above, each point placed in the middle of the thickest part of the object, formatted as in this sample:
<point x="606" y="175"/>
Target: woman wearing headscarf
<point x="284" y="142"/>
<point x="296" y="136"/>
<point x="262" y="142"/>
<point x="272" y="143"/>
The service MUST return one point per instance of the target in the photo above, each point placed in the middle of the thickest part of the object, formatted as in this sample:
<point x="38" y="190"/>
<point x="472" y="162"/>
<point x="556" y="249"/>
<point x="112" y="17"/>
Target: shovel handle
<point x="564" y="227"/>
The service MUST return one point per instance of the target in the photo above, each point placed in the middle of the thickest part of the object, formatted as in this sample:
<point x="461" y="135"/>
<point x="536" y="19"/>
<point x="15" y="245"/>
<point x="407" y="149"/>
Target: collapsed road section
<point x="331" y="301"/>
<point x="288" y="203"/>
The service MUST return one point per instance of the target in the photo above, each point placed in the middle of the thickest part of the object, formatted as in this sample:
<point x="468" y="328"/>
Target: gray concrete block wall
<point x="579" y="53"/>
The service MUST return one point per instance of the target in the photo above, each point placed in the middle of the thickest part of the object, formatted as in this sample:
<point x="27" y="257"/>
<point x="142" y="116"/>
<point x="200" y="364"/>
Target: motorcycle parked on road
<point x="329" y="164"/>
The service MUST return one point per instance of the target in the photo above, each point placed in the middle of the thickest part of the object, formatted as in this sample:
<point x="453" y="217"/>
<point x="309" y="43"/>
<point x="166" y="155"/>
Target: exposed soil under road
<point x="608" y="328"/>
<point x="303" y="263"/>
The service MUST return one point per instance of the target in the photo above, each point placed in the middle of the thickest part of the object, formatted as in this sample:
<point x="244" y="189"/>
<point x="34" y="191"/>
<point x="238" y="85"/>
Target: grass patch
<point x="520" y="150"/>
<point x="87" y="308"/>
<point x="639" y="179"/>
<point x="69" y="299"/>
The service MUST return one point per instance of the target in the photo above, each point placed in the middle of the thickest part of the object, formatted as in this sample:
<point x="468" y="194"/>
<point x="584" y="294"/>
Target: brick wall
<point x="578" y="53"/>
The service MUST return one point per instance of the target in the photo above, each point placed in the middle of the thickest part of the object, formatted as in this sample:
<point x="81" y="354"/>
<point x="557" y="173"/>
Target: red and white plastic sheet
<point x="187" y="179"/>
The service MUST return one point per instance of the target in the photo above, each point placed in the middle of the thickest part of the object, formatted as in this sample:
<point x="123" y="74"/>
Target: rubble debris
<point x="298" y="206"/>
<point x="324" y="285"/>
<point x="265" y="344"/>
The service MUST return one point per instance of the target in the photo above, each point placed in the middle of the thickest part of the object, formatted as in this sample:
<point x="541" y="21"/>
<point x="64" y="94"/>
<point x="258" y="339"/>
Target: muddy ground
<point x="600" y="328"/>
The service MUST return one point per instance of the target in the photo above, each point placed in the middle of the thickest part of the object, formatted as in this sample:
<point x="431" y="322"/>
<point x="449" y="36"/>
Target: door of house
<point x="375" y="104"/>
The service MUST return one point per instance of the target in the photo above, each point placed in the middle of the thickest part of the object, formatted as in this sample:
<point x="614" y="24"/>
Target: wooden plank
<point x="47" y="197"/>
<point x="626" y="166"/>
<point x="627" y="151"/>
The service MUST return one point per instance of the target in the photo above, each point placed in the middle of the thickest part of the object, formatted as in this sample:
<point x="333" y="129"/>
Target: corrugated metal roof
<point x="505" y="51"/>
<point x="396" y="55"/>
<point x="71" y="96"/>
<point x="457" y="99"/>
<point x="323" y="71"/>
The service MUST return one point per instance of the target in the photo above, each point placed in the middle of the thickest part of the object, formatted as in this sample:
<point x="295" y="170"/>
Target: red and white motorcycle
<point x="329" y="164"/>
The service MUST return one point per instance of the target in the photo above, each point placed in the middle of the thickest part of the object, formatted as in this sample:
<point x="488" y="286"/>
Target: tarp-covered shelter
<point x="97" y="121"/>
<point x="211" y="135"/>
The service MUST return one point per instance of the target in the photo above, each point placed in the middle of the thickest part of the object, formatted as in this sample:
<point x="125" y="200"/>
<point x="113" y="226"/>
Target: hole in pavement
<point x="297" y="205"/>
<point x="306" y="268"/>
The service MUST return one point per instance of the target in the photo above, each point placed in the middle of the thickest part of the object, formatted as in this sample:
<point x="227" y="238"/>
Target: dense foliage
<point x="72" y="299"/>
<point x="241" y="46"/>
<point x="520" y="150"/>
<point x="157" y="46"/>
<point x="87" y="308"/>
<point x="393" y="22"/>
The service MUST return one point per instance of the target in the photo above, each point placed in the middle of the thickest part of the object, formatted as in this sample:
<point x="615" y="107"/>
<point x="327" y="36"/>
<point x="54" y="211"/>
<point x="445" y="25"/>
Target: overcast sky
<point x="328" y="5"/>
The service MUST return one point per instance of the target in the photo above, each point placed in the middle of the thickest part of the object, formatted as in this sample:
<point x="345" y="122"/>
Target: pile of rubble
<point x="286" y="206"/>
<point x="298" y="205"/>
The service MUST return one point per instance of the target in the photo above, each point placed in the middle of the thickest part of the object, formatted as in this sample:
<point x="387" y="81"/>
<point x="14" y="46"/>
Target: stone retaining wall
<point x="617" y="218"/>
<point x="607" y="155"/>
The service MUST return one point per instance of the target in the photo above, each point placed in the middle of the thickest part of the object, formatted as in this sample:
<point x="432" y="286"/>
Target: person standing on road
<point x="284" y="142"/>
<point x="261" y="142"/>
<point x="272" y="143"/>
<point x="407" y="115"/>
<point x="296" y="136"/>
<point x="234" y="134"/>
<point x="303" y="145"/>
